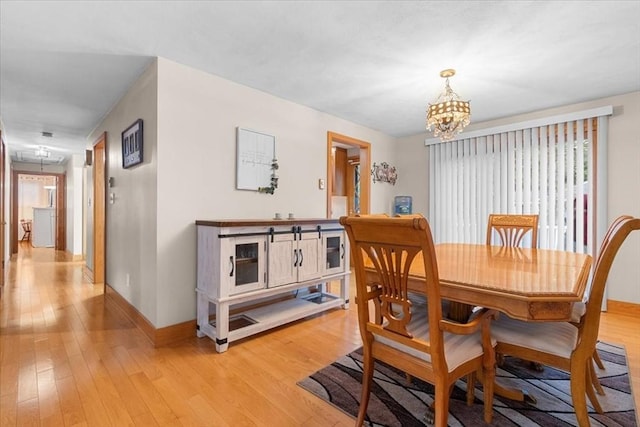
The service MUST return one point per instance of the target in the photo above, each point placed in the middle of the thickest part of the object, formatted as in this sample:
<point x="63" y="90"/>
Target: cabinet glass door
<point x="334" y="252"/>
<point x="246" y="261"/>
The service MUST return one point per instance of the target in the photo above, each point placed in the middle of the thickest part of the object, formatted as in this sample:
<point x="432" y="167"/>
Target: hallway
<point x="67" y="359"/>
<point x="55" y="332"/>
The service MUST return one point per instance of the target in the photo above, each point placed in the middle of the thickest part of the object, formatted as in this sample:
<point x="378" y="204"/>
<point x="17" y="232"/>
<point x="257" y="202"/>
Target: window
<point x="547" y="169"/>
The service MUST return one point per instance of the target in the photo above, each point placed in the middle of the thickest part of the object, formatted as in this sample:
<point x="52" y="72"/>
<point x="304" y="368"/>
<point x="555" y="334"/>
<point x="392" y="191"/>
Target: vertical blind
<point x="548" y="170"/>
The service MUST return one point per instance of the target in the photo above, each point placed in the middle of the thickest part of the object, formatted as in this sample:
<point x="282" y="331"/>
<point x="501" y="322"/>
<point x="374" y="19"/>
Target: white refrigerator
<point x="44" y="227"/>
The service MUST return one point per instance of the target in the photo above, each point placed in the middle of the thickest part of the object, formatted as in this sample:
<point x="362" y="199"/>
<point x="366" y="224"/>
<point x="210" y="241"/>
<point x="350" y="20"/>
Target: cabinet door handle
<point x="342" y="246"/>
<point x="301" y="257"/>
<point x="232" y="266"/>
<point x="295" y="259"/>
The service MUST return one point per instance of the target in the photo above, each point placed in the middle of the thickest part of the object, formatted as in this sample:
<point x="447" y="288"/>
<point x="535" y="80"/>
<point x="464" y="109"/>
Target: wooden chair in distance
<point x="512" y="229"/>
<point x="413" y="337"/>
<point x="562" y="344"/>
<point x="26" y="228"/>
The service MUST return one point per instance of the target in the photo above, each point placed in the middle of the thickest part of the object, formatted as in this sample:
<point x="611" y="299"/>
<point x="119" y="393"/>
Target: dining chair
<point x="511" y="229"/>
<point x="26" y="228"/>
<point x="580" y="308"/>
<point x="413" y="337"/>
<point x="562" y="344"/>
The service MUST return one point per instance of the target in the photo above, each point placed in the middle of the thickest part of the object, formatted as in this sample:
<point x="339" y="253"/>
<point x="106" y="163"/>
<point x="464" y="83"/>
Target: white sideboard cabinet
<point x="253" y="275"/>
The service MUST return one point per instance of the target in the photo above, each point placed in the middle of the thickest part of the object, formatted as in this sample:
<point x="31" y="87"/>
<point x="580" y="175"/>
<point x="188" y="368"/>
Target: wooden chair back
<point x="26" y="225"/>
<point x="613" y="240"/>
<point x="390" y="246"/>
<point x="511" y="229"/>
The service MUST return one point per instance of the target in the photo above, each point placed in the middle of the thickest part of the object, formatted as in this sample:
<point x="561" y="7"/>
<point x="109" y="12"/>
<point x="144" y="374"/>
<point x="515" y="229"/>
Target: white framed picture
<point x="255" y="154"/>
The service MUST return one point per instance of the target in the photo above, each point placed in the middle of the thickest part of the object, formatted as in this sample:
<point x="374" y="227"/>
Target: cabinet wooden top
<point x="264" y="222"/>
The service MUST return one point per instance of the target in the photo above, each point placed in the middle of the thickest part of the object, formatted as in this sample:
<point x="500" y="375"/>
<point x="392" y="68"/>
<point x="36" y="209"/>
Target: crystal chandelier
<point x="42" y="152"/>
<point x="448" y="115"/>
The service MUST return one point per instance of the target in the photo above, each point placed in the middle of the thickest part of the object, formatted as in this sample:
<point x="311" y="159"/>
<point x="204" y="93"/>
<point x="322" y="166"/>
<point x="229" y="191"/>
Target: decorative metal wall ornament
<point x="384" y="173"/>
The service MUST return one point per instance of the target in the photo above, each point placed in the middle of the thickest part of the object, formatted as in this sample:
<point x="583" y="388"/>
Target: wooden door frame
<point x="351" y="190"/>
<point x="365" y="167"/>
<point x="61" y="212"/>
<point x="61" y="208"/>
<point x="3" y="159"/>
<point x="99" y="210"/>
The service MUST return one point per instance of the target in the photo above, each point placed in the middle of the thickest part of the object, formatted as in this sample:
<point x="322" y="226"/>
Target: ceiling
<point x="64" y="64"/>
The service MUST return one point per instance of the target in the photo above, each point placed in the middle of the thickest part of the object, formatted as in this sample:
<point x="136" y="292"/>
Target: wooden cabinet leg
<point x="344" y="291"/>
<point x="203" y="314"/>
<point x="222" y="327"/>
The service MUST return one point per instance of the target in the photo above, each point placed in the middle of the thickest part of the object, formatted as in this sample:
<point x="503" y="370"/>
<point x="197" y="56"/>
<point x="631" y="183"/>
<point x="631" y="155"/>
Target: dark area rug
<point x="394" y="402"/>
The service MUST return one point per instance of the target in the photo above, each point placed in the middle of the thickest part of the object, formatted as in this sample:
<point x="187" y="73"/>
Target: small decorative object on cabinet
<point x="267" y="273"/>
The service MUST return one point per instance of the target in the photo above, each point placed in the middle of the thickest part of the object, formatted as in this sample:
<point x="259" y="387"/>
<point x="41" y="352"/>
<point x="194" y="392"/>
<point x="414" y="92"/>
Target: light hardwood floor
<point x="67" y="359"/>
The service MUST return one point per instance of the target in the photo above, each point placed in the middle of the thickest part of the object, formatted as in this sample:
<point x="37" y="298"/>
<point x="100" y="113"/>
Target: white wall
<point x="197" y="118"/>
<point x="623" y="179"/>
<point x="74" y="172"/>
<point x="87" y="217"/>
<point x="7" y="197"/>
<point x="624" y="193"/>
<point x="188" y="173"/>
<point x="190" y="121"/>
<point x="413" y="172"/>
<point x="131" y="219"/>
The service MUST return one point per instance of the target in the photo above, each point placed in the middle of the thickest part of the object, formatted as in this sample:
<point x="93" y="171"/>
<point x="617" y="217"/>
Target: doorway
<point x="41" y="195"/>
<point x="99" y="206"/>
<point x="3" y="159"/>
<point x="348" y="159"/>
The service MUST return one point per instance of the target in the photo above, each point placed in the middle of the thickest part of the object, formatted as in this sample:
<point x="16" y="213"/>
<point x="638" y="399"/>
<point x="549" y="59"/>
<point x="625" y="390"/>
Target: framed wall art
<point x="132" y="145"/>
<point x="255" y="160"/>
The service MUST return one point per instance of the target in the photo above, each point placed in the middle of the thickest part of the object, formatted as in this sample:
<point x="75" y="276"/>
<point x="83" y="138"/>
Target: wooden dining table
<point x="528" y="284"/>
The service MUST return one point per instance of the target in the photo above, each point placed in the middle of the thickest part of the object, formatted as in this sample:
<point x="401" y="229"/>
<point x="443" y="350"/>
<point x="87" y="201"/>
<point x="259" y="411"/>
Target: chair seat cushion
<point x="458" y="349"/>
<point x="558" y="338"/>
